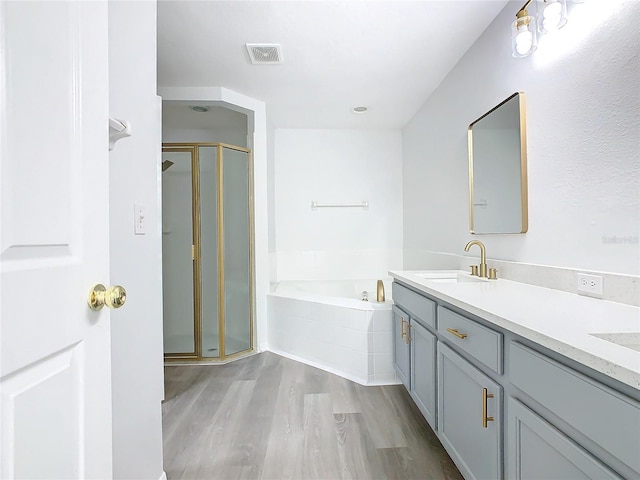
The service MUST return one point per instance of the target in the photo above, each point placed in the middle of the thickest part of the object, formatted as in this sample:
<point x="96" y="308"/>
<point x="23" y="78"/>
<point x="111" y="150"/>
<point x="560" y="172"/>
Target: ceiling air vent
<point x="264" y="53"/>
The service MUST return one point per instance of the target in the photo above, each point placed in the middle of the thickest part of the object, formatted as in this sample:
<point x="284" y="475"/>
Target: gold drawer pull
<point x="454" y="331"/>
<point x="408" y="336"/>
<point x="485" y="419"/>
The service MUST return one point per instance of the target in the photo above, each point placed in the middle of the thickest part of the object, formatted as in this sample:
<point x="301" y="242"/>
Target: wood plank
<point x="426" y="456"/>
<point x="191" y="429"/>
<point x="344" y="395"/>
<point x="188" y="384"/>
<point x="316" y="380"/>
<point x="320" y="451"/>
<point x="250" y="438"/>
<point x="381" y="418"/>
<point x="409" y="417"/>
<point x="412" y="463"/>
<point x="359" y="458"/>
<point x="283" y="457"/>
<point x="212" y="447"/>
<point x="268" y="417"/>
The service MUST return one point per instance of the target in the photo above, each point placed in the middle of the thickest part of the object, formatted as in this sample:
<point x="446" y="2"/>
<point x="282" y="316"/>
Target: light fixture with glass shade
<point x="552" y="15"/>
<point x="523" y="33"/>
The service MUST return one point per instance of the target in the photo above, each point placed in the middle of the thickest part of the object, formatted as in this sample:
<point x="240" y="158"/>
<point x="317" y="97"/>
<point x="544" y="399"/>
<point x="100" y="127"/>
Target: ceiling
<point x="386" y="55"/>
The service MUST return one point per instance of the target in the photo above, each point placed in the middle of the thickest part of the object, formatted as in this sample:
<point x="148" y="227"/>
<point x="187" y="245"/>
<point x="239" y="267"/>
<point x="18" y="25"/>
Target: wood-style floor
<point x="268" y="417"/>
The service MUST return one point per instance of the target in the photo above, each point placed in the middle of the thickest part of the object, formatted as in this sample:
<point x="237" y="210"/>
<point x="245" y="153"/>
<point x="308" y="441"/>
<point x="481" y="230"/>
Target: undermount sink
<point x="629" y="340"/>
<point x="448" y="276"/>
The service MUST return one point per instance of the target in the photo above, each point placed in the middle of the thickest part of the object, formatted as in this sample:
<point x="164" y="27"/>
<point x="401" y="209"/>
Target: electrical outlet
<point x="591" y="285"/>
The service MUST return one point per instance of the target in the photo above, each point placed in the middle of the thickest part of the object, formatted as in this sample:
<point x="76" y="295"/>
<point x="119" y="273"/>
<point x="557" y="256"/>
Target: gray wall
<point x="582" y="90"/>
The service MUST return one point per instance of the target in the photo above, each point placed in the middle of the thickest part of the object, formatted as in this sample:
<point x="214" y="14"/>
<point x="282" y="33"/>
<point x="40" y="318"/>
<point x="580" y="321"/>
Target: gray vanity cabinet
<point x="537" y="450"/>
<point x="423" y="371"/>
<point x="401" y="353"/>
<point x="559" y="422"/>
<point x="469" y="416"/>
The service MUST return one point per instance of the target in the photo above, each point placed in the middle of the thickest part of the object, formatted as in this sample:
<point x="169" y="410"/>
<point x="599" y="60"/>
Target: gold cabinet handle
<point x="402" y="327"/>
<point x="485" y="396"/>
<point x="454" y="331"/>
<point x="407" y="337"/>
<point x="112" y="297"/>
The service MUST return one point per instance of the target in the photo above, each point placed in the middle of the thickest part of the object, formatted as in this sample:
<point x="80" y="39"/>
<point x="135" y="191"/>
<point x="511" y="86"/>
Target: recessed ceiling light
<point x="359" y="109"/>
<point x="200" y="108"/>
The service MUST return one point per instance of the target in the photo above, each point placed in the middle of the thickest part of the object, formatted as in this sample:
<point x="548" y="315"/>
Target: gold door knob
<point x="112" y="297"/>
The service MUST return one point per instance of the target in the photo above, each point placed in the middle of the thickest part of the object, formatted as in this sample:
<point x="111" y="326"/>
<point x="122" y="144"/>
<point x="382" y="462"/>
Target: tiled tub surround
<point x="334" y="264"/>
<point x="326" y="325"/>
<point x="560" y="321"/>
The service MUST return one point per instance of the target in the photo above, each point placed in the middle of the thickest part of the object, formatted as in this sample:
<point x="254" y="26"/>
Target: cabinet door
<point x="423" y="371"/>
<point x="574" y="398"/>
<point x="535" y="449"/>
<point x="462" y="406"/>
<point x="401" y="359"/>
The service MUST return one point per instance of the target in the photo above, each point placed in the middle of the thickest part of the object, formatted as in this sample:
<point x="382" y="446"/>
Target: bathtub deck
<point x="268" y="417"/>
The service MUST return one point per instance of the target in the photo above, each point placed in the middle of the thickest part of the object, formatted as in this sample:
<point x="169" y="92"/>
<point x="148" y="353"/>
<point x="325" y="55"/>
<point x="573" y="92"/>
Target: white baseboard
<point x="311" y="363"/>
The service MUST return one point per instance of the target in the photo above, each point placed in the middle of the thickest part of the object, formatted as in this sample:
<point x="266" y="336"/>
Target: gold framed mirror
<point x="498" y="169"/>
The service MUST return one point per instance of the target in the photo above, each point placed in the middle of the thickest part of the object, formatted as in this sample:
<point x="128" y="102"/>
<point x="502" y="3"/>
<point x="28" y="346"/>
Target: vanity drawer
<point x="478" y="341"/>
<point x="608" y="418"/>
<point x="420" y="308"/>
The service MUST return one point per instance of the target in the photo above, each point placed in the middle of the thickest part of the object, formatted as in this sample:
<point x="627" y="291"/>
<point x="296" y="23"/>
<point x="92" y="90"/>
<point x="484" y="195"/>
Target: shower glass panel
<point x="177" y="238"/>
<point x="237" y="250"/>
<point x="207" y="251"/>
<point x="208" y="160"/>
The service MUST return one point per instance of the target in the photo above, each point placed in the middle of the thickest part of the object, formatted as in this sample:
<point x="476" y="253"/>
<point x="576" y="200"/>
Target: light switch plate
<point x="139" y="220"/>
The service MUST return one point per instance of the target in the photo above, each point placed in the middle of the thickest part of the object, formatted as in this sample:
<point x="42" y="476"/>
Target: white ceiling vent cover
<point x="264" y="53"/>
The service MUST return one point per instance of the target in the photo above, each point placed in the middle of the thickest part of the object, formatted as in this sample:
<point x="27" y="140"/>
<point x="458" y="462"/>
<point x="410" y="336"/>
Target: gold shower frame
<point x="196" y="355"/>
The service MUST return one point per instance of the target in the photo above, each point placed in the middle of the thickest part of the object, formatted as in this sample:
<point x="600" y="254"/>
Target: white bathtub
<point x="327" y="325"/>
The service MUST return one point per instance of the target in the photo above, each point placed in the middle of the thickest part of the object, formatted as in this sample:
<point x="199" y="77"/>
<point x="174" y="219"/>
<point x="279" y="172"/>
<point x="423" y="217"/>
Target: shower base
<point x="210" y="345"/>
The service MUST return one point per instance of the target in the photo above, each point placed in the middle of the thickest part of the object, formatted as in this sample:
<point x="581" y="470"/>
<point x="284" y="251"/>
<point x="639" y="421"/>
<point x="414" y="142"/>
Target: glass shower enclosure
<point x="207" y="251"/>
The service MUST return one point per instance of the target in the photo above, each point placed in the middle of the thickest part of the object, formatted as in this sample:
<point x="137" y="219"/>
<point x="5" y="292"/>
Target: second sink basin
<point x="628" y="340"/>
<point x="448" y="276"/>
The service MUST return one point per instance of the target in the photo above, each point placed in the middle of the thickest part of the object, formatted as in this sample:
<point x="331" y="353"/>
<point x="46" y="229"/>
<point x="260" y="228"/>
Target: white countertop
<point x="558" y="320"/>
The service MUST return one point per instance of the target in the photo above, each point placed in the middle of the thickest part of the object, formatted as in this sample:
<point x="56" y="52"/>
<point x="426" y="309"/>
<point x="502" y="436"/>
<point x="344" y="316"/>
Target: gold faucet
<point x="380" y="291"/>
<point x="483" y="256"/>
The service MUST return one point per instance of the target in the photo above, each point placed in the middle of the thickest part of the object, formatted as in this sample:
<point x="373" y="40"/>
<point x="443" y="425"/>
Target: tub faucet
<point x="483" y="256"/>
<point x="380" y="291"/>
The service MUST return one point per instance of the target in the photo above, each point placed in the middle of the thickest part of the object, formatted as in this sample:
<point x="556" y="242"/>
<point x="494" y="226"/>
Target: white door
<point x="55" y="355"/>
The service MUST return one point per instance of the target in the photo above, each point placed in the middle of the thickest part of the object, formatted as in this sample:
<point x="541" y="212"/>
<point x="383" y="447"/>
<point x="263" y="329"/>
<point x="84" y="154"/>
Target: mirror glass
<point x="498" y="169"/>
